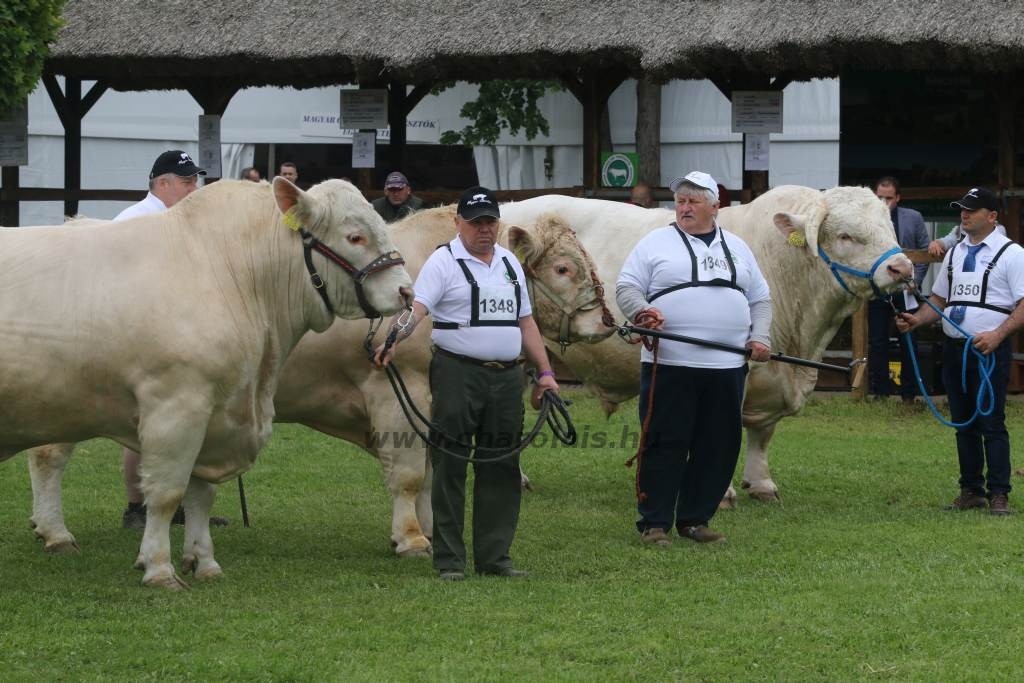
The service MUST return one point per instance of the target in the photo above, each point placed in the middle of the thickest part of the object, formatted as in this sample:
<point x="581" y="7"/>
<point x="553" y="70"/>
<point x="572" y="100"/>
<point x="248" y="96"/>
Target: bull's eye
<point x="356" y="239"/>
<point x="562" y="270"/>
<point x="846" y="237"/>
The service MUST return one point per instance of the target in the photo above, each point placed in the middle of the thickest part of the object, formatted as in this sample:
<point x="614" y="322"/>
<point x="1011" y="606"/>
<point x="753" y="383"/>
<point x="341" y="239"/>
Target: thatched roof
<point x="163" y="44"/>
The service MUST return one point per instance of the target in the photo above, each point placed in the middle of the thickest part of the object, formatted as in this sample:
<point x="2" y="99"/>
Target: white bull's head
<point x="852" y="234"/>
<point x="565" y="290"/>
<point x="341" y="231"/>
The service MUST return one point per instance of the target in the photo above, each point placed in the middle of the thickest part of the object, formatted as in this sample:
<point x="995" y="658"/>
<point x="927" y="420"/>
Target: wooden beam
<point x="859" y="341"/>
<point x="213" y="99"/>
<point x="9" y="210"/>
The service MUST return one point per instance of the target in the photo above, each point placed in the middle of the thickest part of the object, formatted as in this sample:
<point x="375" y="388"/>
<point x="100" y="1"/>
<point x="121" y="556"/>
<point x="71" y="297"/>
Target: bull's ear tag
<point x="796" y="239"/>
<point x="291" y="221"/>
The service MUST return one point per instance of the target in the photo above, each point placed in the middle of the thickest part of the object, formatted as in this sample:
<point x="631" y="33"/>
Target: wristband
<point x="546" y="373"/>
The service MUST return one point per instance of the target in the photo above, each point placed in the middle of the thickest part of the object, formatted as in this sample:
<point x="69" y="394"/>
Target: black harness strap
<point x="696" y="281"/>
<point x="474" y="320"/>
<point x="984" y="284"/>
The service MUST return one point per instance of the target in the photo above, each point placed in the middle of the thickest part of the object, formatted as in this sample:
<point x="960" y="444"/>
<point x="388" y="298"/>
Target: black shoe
<point x="507" y="572"/>
<point x="967" y="500"/>
<point x="451" y="575"/>
<point x="179" y="519"/>
<point x="999" y="504"/>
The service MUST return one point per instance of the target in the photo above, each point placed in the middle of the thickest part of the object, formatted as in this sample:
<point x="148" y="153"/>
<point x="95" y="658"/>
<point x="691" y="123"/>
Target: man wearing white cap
<point x="706" y="285"/>
<point x="398" y="200"/>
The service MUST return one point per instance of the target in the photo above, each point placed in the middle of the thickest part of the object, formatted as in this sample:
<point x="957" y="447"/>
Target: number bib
<point x="496" y="303"/>
<point x="967" y="287"/>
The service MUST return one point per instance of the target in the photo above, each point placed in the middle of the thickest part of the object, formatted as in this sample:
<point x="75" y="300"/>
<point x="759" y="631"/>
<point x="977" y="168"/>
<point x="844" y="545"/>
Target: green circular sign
<point x="617" y="171"/>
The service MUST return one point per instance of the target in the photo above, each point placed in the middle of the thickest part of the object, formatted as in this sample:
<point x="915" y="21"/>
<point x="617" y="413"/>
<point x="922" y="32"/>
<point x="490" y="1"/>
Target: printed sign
<point x="757" y="111"/>
<point x="363" y="109"/>
<point x="755" y="152"/>
<point x="619" y="169"/>
<point x="363" y="150"/>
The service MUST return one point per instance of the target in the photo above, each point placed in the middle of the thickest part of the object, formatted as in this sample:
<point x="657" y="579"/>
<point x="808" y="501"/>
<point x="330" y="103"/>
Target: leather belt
<point x="490" y="364"/>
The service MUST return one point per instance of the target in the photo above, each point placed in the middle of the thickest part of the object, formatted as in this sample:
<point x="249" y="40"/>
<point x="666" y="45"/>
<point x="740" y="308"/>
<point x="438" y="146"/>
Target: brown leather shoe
<point x="967" y="500"/>
<point x="999" y="504"/>
<point x="656" y="537"/>
<point x="701" y="534"/>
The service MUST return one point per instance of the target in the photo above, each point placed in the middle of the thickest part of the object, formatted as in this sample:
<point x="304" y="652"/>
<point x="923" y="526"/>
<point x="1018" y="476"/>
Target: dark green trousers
<point x="482" y="406"/>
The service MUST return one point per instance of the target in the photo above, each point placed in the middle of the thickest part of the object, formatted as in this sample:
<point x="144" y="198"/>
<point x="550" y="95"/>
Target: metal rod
<point x="735" y="349"/>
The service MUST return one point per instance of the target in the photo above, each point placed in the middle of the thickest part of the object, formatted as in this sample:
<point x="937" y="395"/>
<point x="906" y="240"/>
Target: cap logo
<point x="478" y="199"/>
<point x="973" y="192"/>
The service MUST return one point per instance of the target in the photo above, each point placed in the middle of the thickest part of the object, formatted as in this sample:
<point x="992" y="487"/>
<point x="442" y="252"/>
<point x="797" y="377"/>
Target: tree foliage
<point x="510" y="105"/>
<point x="27" y="27"/>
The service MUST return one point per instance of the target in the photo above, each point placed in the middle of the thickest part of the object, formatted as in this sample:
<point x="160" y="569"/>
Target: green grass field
<point x="857" y="575"/>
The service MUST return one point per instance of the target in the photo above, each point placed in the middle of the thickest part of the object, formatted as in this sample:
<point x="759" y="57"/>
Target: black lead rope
<point x="553" y="411"/>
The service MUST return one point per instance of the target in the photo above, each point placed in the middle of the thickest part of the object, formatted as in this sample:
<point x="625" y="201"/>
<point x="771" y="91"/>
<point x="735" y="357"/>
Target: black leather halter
<point x="359" y="275"/>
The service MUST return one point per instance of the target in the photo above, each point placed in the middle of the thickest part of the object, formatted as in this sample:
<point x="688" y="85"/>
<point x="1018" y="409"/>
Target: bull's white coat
<point x="166" y="333"/>
<point x="850" y="224"/>
<point x="328" y="384"/>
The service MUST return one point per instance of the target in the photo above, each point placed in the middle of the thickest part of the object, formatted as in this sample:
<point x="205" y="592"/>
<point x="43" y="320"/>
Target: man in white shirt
<point x="708" y="286"/>
<point x="979" y="288"/>
<point x="173" y="177"/>
<point x="475" y="290"/>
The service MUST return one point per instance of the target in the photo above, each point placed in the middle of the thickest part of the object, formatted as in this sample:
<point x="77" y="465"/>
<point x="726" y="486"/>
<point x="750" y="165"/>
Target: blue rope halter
<point x="867" y="275"/>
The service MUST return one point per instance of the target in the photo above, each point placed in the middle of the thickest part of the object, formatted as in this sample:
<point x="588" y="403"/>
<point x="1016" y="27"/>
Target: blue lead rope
<point x="986" y="366"/>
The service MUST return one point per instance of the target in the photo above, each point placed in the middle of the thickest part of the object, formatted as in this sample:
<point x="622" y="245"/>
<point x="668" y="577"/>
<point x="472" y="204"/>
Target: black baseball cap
<point x="977" y="198"/>
<point x="177" y="162"/>
<point x="476" y="202"/>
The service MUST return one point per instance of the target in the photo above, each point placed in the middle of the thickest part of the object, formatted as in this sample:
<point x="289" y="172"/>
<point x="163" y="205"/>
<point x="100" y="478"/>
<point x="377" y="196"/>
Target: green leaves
<point x="27" y="28"/>
<point x="510" y="105"/>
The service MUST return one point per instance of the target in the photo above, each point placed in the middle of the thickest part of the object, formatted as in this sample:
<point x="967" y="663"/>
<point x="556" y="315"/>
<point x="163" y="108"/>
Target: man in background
<point x="289" y="172"/>
<point x="398" y="200"/>
<point x="640" y="195"/>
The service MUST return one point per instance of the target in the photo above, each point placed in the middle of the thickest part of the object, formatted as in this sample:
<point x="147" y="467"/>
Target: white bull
<point x="329" y="385"/>
<point x="851" y="226"/>
<point x="166" y="333"/>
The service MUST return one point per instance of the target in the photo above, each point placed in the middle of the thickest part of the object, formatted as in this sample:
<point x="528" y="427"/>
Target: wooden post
<point x="9" y="210"/>
<point x="858" y="381"/>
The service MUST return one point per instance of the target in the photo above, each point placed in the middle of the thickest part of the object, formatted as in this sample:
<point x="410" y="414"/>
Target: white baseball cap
<point x="698" y="178"/>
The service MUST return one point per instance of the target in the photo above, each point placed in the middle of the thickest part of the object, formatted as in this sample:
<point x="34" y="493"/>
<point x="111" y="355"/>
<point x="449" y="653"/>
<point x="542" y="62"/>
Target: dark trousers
<point x="692" y="446"/>
<point x="880" y="322"/>
<point x="483" y="406"/>
<point x="984" y="441"/>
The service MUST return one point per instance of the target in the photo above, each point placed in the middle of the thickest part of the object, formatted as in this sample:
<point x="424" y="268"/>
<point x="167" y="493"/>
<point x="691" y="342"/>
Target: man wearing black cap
<point x="398" y="200"/>
<point x="173" y="177"/>
<point x="475" y="290"/>
<point x="979" y="289"/>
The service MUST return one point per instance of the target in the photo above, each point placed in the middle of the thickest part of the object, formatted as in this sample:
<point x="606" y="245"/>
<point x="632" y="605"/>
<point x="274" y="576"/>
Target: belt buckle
<point x="494" y="365"/>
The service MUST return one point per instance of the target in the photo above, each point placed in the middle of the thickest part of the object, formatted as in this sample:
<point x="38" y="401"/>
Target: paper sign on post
<point x="755" y="152"/>
<point x="363" y="149"/>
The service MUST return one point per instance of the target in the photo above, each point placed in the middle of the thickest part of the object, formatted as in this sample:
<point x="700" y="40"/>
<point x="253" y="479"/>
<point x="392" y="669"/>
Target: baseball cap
<point x="476" y="202"/>
<point x="977" y="198"/>
<point x="177" y="162"/>
<point x="395" y="180"/>
<point x="698" y="178"/>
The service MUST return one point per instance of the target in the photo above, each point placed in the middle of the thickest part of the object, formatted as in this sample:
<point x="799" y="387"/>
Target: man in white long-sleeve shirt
<point x="695" y="279"/>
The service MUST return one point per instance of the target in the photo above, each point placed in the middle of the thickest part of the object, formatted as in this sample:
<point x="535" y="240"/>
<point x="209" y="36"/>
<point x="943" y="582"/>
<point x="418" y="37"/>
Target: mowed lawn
<point x="857" y="575"/>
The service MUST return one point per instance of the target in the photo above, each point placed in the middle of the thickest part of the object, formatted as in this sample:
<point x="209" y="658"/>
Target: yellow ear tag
<point x="291" y="221"/>
<point x="796" y="239"/>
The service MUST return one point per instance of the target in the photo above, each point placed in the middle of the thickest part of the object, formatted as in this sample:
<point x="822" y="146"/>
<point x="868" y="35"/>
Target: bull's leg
<point x="46" y="468"/>
<point x="197" y="555"/>
<point x="171" y="435"/>
<point x="404" y="472"/>
<point x="756" y="477"/>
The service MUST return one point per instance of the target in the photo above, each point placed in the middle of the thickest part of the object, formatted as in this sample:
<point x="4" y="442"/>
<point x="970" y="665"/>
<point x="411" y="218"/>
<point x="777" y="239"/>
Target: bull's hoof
<point x="64" y="546"/>
<point x="1020" y="472"/>
<point x="419" y="547"/>
<point x="140" y="564"/>
<point x="524" y="482"/>
<point x="765" y="496"/>
<point x="190" y="565"/>
<point x="727" y="503"/>
<point x="171" y="582"/>
<point x="211" y="573"/>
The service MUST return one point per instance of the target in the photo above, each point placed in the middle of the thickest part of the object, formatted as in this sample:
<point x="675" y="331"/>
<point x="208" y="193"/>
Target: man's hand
<point x="905" y="322"/>
<point x="759" y="352"/>
<point x="987" y="342"/>
<point x="936" y="248"/>
<point x="381" y="359"/>
<point x="649" y="319"/>
<point x="543" y="384"/>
